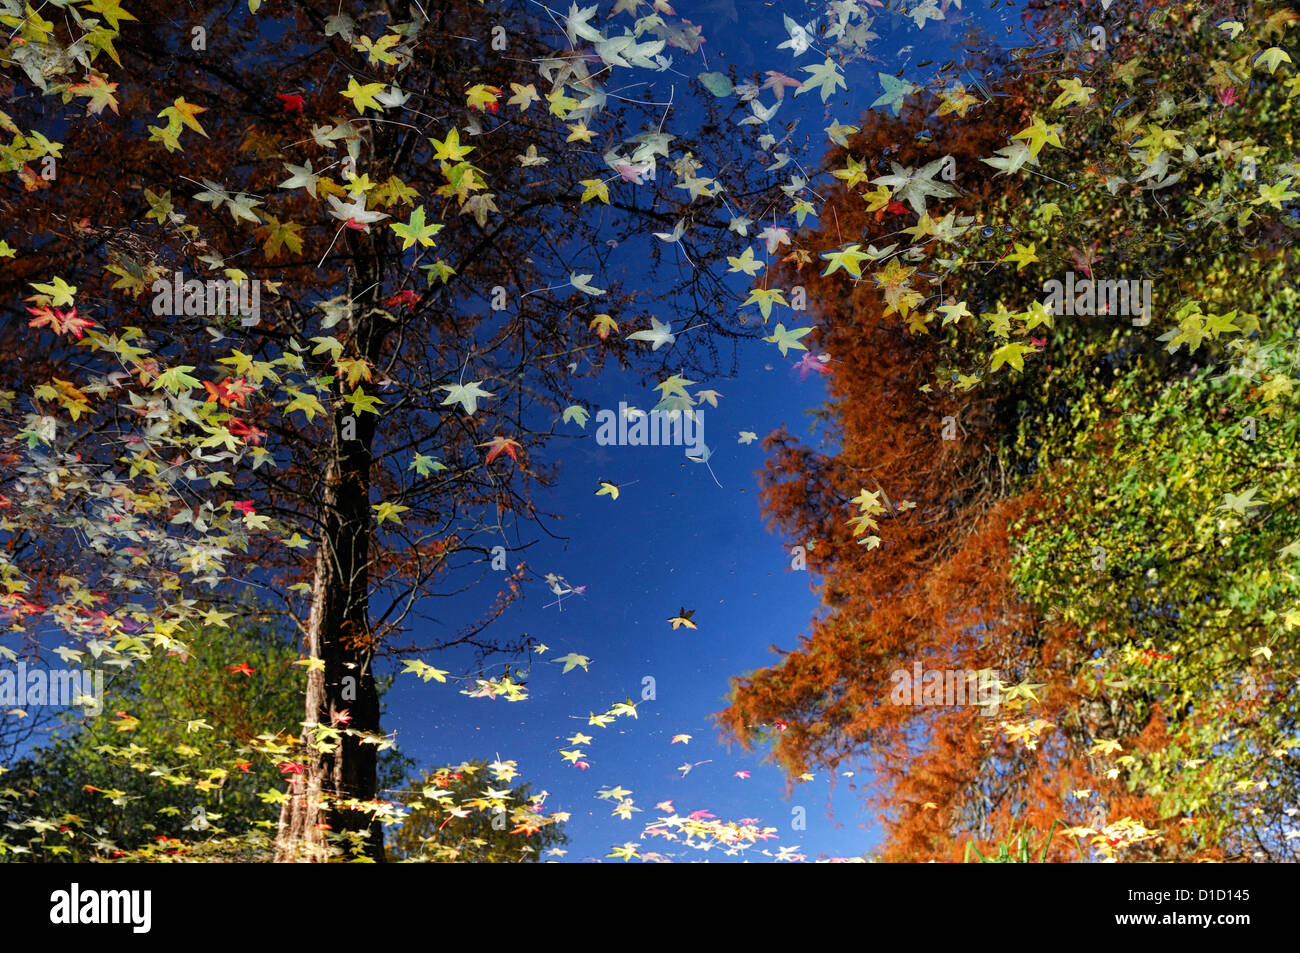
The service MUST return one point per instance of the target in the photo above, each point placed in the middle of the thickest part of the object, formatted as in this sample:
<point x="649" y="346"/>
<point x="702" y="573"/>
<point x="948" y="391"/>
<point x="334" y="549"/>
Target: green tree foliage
<point x="176" y="762"/>
<point x="1168" y="537"/>
<point x="171" y="755"/>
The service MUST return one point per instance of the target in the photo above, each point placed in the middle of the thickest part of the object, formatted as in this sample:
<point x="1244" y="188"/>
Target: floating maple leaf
<point x="683" y="618"/>
<point x="811" y="364"/>
<point x="499" y="446"/>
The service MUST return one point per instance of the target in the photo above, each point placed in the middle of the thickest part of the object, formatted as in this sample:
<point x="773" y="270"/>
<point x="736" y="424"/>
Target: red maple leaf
<point x="44" y="315"/>
<point x="405" y="297"/>
<point x="238" y="389"/>
<point x="292" y="101"/>
<point x="241" y="669"/>
<point x="247" y="433"/>
<point x="244" y="506"/>
<point x="228" y="391"/>
<point x="58" y="321"/>
<point x="501" y="445"/>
